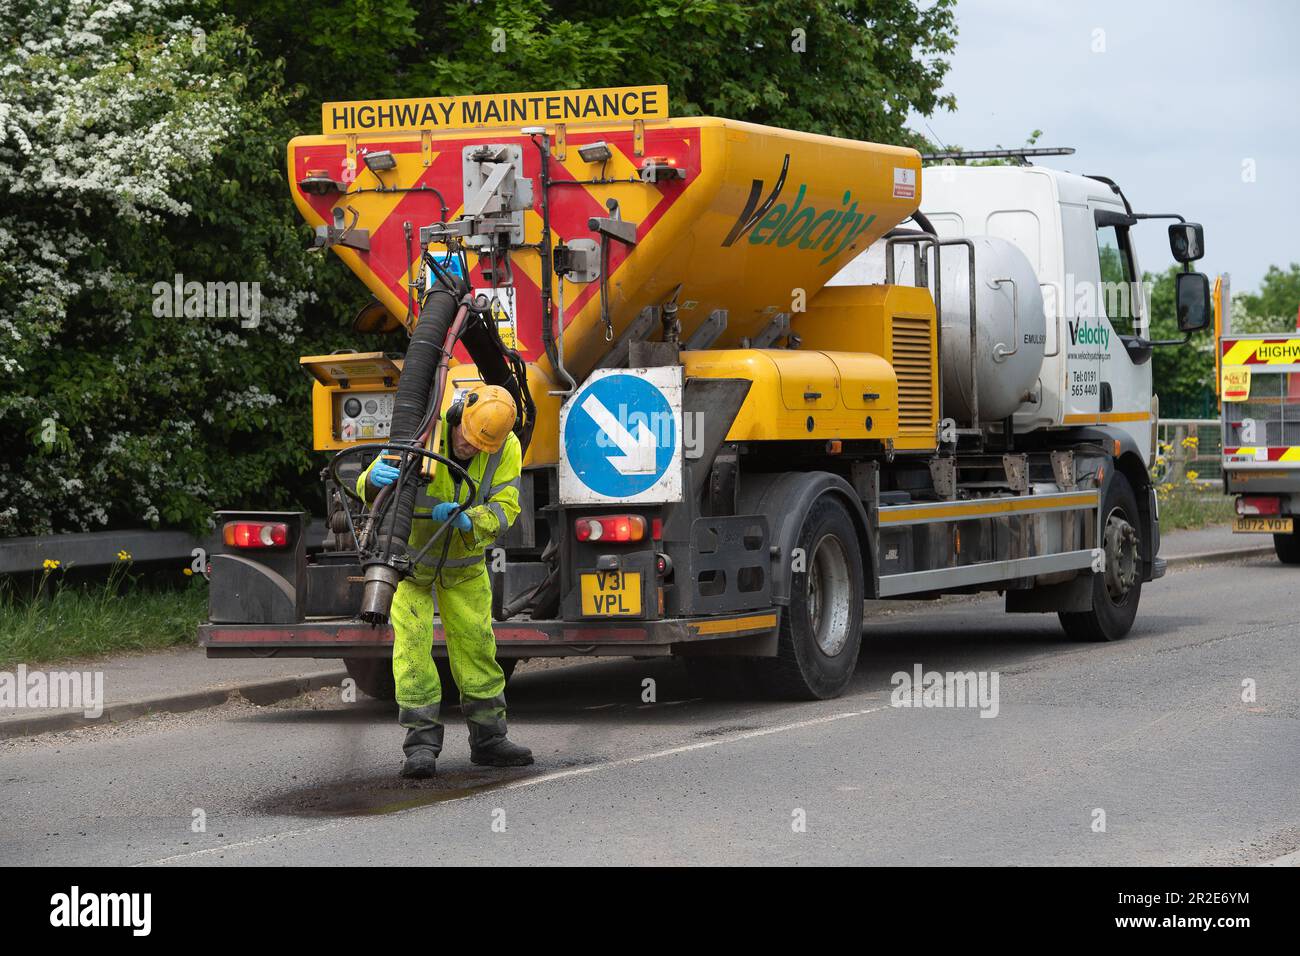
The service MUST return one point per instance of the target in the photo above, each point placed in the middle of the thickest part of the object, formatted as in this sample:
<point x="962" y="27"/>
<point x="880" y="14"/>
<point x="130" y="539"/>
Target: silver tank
<point x="1011" y="327"/>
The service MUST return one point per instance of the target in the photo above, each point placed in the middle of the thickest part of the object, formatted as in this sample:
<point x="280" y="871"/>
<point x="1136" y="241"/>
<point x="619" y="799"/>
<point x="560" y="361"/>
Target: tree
<point x="1273" y="308"/>
<point x="1183" y="376"/>
<point x="140" y="141"/>
<point x="850" y="68"/>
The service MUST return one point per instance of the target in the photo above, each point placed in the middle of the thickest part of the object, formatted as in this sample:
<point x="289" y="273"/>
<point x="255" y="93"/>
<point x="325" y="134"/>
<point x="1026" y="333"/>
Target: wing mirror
<point x="1192" y="300"/>
<point x="1187" y="241"/>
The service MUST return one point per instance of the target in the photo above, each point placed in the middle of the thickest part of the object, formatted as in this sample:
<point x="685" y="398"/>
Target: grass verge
<point x="68" y="621"/>
<point x="1184" y="506"/>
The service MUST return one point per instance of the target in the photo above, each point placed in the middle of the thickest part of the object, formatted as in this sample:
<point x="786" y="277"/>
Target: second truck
<point x="763" y="376"/>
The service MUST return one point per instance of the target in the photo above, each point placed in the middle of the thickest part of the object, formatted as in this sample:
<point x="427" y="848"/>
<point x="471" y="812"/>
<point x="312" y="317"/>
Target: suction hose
<point x="424" y="355"/>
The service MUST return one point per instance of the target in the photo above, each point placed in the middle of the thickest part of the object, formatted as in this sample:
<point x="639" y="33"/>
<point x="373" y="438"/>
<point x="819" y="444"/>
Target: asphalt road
<point x="1151" y="730"/>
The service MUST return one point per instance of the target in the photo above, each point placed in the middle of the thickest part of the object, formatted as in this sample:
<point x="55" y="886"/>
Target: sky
<point x="1182" y="104"/>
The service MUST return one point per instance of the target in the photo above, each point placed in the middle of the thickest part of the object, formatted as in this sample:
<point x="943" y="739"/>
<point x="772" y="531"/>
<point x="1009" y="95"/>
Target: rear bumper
<point x="751" y="633"/>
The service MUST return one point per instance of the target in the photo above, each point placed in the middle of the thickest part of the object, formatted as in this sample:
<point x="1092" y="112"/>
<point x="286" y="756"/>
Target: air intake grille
<point x="914" y="366"/>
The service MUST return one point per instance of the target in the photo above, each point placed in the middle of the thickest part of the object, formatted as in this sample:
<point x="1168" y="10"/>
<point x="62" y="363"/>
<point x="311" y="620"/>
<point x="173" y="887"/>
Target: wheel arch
<point x="785" y="498"/>
<point x="1130" y="464"/>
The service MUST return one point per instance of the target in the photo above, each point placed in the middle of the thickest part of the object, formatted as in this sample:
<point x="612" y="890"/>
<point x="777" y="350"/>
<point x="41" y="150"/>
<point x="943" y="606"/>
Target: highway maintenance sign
<point x="621" y="438"/>
<point x="496" y="110"/>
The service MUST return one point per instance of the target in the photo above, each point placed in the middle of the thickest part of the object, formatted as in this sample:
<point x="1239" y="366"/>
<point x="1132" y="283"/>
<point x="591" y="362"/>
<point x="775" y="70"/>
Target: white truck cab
<point x="1074" y="230"/>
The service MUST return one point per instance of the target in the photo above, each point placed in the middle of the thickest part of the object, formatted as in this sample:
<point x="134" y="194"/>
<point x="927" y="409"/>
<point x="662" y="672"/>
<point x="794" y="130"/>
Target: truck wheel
<point x="374" y="676"/>
<point x="450" y="692"/>
<point x="821" y="630"/>
<point x="1287" y="547"/>
<point x="1117" y="590"/>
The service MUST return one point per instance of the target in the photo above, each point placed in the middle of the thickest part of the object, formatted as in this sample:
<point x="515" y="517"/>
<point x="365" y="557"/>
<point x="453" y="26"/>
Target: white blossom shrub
<point x="138" y="143"/>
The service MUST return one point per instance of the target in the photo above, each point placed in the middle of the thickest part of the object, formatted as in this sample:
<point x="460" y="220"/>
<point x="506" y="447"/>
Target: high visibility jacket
<point x="493" y="511"/>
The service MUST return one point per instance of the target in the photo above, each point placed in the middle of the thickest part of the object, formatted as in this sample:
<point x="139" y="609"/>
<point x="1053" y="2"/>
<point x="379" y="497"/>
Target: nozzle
<point x="377" y="592"/>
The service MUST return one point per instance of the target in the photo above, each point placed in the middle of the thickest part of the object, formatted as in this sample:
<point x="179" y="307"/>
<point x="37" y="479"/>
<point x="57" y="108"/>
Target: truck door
<point x="1108" y="371"/>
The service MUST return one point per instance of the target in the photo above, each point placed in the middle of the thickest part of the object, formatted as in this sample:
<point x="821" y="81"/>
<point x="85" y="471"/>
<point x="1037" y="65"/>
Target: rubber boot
<point x="488" y="746"/>
<point x="423" y="741"/>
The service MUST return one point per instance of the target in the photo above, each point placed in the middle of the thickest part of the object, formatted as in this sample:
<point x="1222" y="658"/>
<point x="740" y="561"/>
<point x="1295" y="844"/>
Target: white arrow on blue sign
<point x="621" y="438"/>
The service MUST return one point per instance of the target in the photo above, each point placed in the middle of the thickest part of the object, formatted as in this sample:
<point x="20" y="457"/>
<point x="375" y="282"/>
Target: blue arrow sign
<point x="620" y="436"/>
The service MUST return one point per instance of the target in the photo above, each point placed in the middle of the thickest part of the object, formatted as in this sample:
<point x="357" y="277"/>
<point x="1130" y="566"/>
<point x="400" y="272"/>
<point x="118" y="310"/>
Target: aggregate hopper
<point x="724" y="217"/>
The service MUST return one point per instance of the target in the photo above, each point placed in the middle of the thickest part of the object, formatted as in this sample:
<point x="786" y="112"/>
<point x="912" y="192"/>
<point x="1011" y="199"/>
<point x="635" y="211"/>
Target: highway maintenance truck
<point x="752" y="394"/>
<point x="1259" y="379"/>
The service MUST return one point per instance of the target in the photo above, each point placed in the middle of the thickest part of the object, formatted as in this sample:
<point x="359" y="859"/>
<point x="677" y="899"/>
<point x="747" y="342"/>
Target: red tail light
<point x="610" y="528"/>
<point x="255" y="534"/>
<point x="1258" y="505"/>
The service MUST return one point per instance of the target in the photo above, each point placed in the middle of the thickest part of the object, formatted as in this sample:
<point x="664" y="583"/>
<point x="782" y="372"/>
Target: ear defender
<point x="457" y="410"/>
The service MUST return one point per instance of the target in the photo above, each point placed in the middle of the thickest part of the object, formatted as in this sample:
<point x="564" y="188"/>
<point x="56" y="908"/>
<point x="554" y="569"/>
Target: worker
<point x="477" y="433"/>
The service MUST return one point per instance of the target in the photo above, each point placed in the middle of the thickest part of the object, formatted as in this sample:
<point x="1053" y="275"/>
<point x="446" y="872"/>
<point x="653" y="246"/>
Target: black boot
<point x="488" y="746"/>
<point x="423" y="741"/>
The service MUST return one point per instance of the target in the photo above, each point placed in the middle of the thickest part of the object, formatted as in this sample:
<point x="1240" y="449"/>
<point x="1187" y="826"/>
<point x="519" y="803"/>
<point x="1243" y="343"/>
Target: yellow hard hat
<point x="488" y="417"/>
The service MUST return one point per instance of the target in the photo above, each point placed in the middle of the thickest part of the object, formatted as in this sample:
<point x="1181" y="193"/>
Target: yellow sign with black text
<point x="1236" y="383"/>
<point x="496" y="110"/>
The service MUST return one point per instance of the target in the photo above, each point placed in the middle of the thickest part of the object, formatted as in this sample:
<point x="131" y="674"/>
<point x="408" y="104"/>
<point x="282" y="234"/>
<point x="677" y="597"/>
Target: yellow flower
<point x="124" y="555"/>
<point x="1190" y="441"/>
<point x="187" y="572"/>
<point x="50" y="564"/>
<point x="1192" y="475"/>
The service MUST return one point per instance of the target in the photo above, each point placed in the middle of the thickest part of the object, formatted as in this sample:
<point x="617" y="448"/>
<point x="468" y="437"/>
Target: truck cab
<point x="1074" y="230"/>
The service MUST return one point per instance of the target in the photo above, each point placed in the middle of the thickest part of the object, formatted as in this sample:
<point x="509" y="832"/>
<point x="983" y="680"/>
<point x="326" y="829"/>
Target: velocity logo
<point x="767" y="221"/>
<point x="1083" y="333"/>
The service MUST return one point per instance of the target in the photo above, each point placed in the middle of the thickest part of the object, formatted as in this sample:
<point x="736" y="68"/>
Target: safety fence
<point x="1190" y="449"/>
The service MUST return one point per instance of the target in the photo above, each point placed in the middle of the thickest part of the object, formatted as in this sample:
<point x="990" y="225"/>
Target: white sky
<point x="1182" y="96"/>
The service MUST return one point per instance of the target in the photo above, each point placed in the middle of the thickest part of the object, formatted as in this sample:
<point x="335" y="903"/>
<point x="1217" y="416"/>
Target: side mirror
<point x="1192" y="301"/>
<point x="1187" y="241"/>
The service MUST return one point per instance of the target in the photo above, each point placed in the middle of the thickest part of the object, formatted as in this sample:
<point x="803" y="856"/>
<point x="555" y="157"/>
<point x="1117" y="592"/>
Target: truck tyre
<point x="1287" y="547"/>
<point x="1117" y="590"/>
<point x="821" y="630"/>
<point x="374" y="676"/>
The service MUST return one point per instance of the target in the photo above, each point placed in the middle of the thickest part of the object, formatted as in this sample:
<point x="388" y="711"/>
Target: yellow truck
<point x="752" y="394"/>
<point x="1260" y="394"/>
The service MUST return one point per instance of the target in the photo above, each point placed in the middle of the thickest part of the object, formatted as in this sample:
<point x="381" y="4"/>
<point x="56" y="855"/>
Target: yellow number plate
<point x="611" y="593"/>
<point x="1264" y="525"/>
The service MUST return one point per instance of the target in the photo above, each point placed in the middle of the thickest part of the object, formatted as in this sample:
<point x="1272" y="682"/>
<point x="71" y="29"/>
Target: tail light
<point x="1258" y="505"/>
<point x="255" y="534"/>
<point x="610" y="528"/>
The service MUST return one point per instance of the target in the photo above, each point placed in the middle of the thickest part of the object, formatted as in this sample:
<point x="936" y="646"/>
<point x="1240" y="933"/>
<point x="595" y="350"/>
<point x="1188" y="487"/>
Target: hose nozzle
<point x="377" y="592"/>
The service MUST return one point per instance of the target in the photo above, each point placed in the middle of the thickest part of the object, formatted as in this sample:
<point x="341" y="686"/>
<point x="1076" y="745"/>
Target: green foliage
<point x="1274" y="307"/>
<point x="841" y="67"/>
<point x="143" y="141"/>
<point x="1184" y="377"/>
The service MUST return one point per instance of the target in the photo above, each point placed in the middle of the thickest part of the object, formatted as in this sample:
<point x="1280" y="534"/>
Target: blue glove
<point x="382" y="473"/>
<point x="443" y="510"/>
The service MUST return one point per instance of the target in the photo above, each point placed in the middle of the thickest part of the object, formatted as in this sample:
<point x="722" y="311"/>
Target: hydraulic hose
<point x="424" y="355"/>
